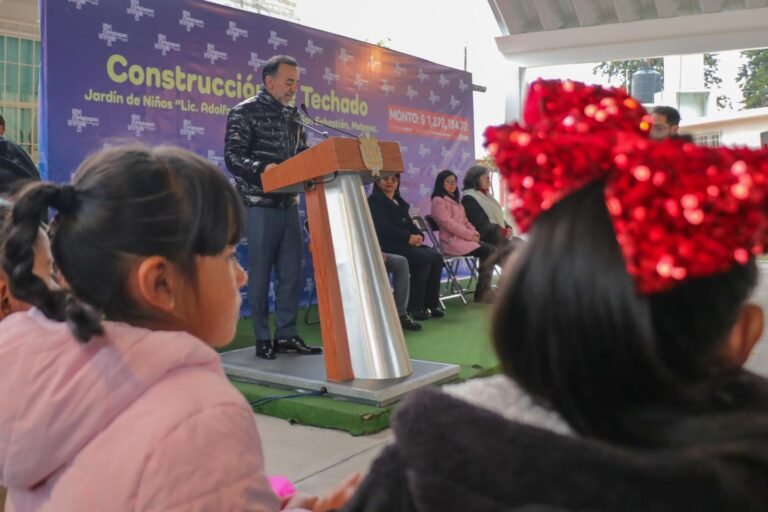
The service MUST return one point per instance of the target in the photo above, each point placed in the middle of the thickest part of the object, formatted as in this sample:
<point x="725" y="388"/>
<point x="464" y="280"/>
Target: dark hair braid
<point x="19" y="260"/>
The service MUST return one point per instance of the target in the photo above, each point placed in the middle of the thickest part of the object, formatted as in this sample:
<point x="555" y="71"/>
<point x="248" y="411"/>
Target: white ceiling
<point x="557" y="32"/>
<point x="525" y="16"/>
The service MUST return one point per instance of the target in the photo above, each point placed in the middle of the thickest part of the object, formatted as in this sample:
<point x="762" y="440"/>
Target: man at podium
<point x="261" y="133"/>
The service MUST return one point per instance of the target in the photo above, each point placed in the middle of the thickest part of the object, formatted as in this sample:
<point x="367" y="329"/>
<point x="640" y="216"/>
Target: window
<point x="711" y="139"/>
<point x="19" y="72"/>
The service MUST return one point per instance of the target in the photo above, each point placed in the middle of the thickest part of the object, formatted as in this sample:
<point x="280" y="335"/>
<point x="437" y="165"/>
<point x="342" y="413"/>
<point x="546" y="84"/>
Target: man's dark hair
<point x="15" y="166"/>
<point x="2" y="121"/>
<point x="671" y="113"/>
<point x="272" y="65"/>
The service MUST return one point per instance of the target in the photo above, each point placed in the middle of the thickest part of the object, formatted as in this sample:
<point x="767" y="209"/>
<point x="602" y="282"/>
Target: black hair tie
<point x="64" y="201"/>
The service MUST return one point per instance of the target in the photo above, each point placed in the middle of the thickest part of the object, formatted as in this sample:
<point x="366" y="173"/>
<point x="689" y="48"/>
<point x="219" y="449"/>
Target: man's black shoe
<point x="296" y="344"/>
<point x="265" y="349"/>
<point x="420" y="315"/>
<point x="408" y="324"/>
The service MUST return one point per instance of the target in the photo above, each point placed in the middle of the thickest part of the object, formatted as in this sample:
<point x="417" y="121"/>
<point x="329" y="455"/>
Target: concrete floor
<point x="317" y="459"/>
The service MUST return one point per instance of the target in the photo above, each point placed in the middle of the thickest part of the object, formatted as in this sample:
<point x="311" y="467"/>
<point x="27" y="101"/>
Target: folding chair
<point x="450" y="263"/>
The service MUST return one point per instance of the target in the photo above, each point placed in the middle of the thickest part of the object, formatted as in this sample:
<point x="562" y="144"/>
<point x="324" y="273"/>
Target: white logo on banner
<point x="464" y="155"/>
<point x="214" y="158"/>
<point x="212" y="54"/>
<point x="387" y="87"/>
<point x="463" y="86"/>
<point x="373" y="64"/>
<point x="399" y="70"/>
<point x="424" y="150"/>
<point x="255" y="61"/>
<point x="424" y="190"/>
<point x="411" y="93"/>
<point x="165" y="46"/>
<point x="312" y="49"/>
<point x="271" y="294"/>
<point x="413" y="170"/>
<point x="80" y="3"/>
<point x="189" y="22"/>
<point x="309" y="285"/>
<point x="330" y="76"/>
<point x="422" y="76"/>
<point x="234" y="31"/>
<point x="79" y="121"/>
<point x="404" y="191"/>
<point x="110" y="36"/>
<point x="360" y="82"/>
<point x="189" y="130"/>
<point x="138" y="126"/>
<point x="276" y="41"/>
<point x="344" y="56"/>
<point x="444" y="152"/>
<point x="433" y="98"/>
<point x="454" y="102"/>
<point x="443" y="81"/>
<point x="137" y="11"/>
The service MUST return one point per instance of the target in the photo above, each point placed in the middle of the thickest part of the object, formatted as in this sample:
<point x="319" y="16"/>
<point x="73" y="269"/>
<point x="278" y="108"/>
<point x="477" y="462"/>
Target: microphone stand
<point x="306" y="113"/>
<point x="293" y="115"/>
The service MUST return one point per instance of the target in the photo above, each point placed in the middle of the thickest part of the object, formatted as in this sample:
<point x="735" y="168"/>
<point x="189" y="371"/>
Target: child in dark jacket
<point x="622" y="329"/>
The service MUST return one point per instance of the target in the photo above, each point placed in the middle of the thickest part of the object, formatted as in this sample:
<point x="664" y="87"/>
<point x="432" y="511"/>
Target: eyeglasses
<point x="389" y="178"/>
<point x="451" y="181"/>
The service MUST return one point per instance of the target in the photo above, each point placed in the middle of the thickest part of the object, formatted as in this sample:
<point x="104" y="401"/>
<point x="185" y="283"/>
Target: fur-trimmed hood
<point x="452" y="456"/>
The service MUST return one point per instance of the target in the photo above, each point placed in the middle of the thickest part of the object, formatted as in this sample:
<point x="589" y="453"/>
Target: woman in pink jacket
<point x="116" y="400"/>
<point x="458" y="237"/>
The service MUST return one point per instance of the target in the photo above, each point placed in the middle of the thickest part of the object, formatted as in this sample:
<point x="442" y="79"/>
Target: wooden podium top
<point x="336" y="154"/>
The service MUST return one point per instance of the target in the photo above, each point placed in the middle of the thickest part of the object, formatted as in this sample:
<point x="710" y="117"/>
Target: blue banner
<point x="168" y="71"/>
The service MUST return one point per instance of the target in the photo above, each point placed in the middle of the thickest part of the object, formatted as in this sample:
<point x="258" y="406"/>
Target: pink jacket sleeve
<point x="453" y="224"/>
<point x="211" y="461"/>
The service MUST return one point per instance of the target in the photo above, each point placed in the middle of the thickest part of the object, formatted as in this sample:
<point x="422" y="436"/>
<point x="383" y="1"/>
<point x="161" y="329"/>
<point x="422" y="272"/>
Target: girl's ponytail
<point x="19" y="259"/>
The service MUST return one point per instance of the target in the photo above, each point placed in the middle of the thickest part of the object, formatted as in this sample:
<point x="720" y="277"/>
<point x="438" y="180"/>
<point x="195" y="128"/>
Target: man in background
<point x="666" y="123"/>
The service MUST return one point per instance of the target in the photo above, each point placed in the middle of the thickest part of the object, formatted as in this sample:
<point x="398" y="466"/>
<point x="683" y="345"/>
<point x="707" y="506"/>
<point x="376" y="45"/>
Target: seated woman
<point x="458" y="237"/>
<point x="398" y="235"/>
<point x="486" y="214"/>
<point x="624" y="387"/>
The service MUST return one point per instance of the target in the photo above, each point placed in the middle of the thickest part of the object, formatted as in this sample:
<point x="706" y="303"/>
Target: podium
<point x="365" y="355"/>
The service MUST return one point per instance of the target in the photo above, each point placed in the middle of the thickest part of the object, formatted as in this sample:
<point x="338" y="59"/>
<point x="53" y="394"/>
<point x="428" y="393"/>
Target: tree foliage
<point x="753" y="78"/>
<point x="713" y="81"/>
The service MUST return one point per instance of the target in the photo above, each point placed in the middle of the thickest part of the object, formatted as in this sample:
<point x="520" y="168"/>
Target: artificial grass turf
<point x="462" y="338"/>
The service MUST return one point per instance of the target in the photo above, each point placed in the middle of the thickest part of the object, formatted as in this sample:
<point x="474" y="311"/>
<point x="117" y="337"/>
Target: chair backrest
<point x="424" y="227"/>
<point x="432" y="223"/>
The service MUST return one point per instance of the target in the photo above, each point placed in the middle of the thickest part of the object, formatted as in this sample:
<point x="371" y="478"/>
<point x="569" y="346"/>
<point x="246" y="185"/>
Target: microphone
<point x="292" y="115"/>
<point x="304" y="109"/>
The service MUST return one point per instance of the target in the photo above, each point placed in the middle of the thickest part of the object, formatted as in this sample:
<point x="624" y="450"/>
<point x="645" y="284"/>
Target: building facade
<point x="20" y="72"/>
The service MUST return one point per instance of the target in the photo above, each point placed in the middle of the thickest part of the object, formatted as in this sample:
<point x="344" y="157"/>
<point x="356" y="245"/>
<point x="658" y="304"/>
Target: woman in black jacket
<point x="398" y="235"/>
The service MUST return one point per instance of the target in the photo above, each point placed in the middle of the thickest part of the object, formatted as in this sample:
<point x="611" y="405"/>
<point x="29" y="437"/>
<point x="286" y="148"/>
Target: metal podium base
<point x="292" y="371"/>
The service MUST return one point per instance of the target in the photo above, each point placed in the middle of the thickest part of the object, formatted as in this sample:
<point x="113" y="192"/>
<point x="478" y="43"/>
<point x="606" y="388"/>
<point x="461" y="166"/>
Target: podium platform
<point x="307" y="372"/>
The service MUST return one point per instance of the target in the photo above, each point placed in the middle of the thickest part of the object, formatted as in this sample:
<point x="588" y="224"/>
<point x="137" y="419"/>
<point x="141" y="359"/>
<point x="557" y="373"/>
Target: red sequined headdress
<point x="679" y="210"/>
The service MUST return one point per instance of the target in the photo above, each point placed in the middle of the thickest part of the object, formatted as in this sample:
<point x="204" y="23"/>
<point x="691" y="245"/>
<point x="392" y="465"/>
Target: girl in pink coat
<point x="116" y="400"/>
<point x="458" y="237"/>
